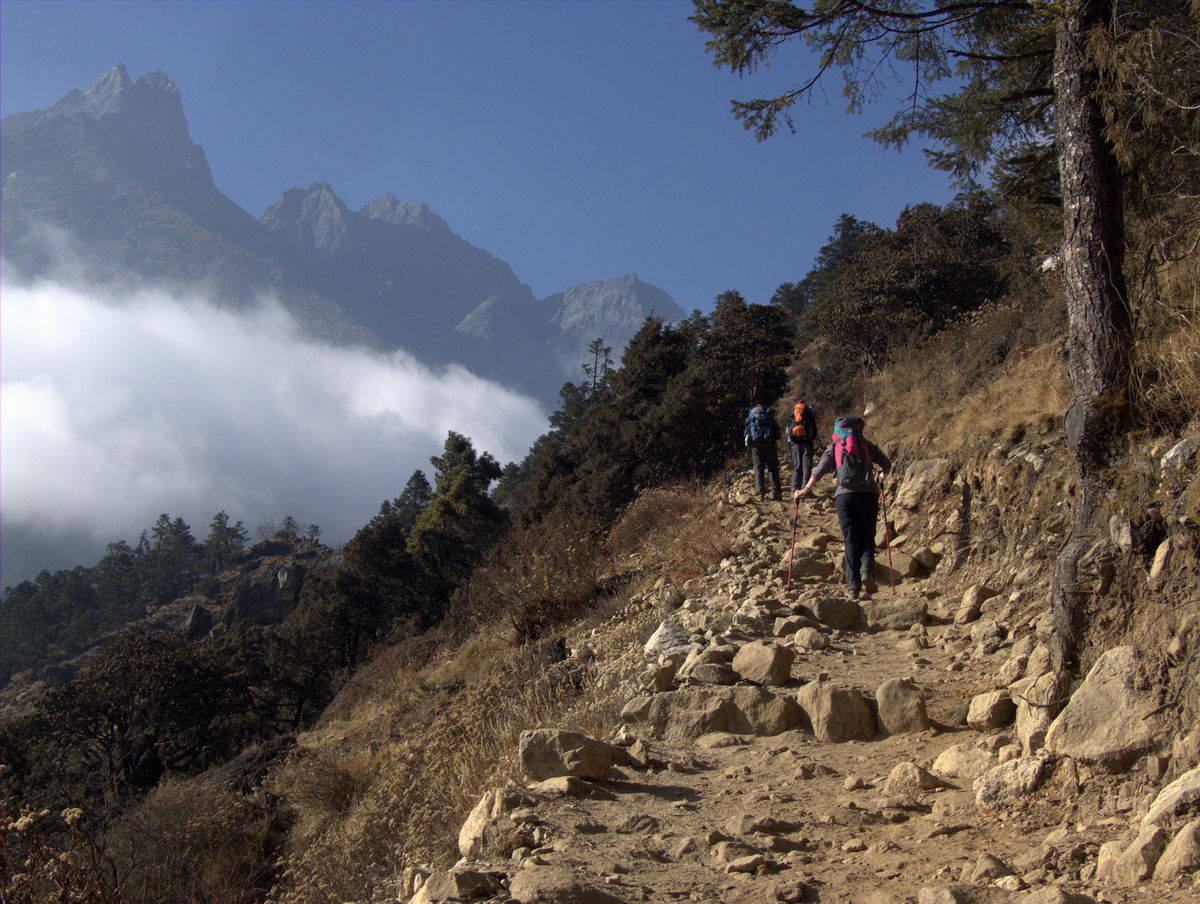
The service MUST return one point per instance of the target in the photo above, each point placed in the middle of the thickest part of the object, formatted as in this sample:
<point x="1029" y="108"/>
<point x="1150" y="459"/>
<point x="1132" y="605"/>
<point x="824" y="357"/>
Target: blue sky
<point x="575" y="140"/>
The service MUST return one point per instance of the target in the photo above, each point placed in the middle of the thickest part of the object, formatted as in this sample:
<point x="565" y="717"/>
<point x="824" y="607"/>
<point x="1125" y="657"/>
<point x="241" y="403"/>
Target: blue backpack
<point x="761" y="425"/>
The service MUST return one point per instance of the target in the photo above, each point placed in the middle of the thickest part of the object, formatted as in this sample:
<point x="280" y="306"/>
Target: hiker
<point x="761" y="435"/>
<point x="802" y="430"/>
<point x="853" y="458"/>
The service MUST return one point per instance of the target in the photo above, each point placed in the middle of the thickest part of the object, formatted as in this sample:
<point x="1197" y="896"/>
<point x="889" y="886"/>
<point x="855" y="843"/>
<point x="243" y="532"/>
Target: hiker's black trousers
<point x="765" y="455"/>
<point x="802" y="456"/>
<point x="857" y="513"/>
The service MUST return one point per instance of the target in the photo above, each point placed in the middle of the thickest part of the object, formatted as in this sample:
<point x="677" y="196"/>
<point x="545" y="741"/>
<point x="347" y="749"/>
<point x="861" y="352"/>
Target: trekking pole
<point x="792" y="554"/>
<point x="887" y="535"/>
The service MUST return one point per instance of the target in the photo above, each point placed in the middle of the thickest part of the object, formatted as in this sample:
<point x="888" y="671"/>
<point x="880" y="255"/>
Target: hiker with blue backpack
<point x="853" y="458"/>
<point x="761" y="435"/>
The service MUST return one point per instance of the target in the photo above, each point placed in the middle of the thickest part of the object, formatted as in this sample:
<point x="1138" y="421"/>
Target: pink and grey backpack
<point x="852" y="455"/>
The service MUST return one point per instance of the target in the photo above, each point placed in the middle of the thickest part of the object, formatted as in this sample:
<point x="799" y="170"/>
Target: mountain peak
<point x="390" y="209"/>
<point x="313" y="216"/>
<point x="153" y="94"/>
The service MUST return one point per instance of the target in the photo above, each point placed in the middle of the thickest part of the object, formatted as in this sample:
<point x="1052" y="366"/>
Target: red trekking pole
<point x="792" y="554"/>
<point x="887" y="535"/>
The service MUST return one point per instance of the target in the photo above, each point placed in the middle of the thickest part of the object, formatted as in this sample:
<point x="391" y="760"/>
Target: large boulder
<point x="962" y="761"/>
<point x="198" y="624"/>
<point x="690" y="712"/>
<point x="909" y="780"/>
<point x="764" y="663"/>
<point x="1035" y="695"/>
<point x="886" y="614"/>
<point x="1180" y="797"/>
<point x="456" y="885"/>
<point x="491" y="806"/>
<point x="1182" y="855"/>
<point x="992" y="710"/>
<point x="549" y="752"/>
<point x="1006" y="784"/>
<point x="266" y="595"/>
<point x="837" y="612"/>
<point x="835" y="714"/>
<point x="810" y="639"/>
<point x="924" y="480"/>
<point x="55" y="675"/>
<point x="555" y="885"/>
<point x="901" y="706"/>
<point x="1104" y="722"/>
<point x="761" y="712"/>
<point x="1003" y="785"/>
<point x="669" y="640"/>
<point x="1130" y="864"/>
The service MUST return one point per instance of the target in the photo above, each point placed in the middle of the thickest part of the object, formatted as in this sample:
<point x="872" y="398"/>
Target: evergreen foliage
<point x="674" y="409"/>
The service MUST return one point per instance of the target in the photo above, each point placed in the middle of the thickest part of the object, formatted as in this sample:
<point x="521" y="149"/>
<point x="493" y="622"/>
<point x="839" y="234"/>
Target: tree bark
<point x="1100" y="325"/>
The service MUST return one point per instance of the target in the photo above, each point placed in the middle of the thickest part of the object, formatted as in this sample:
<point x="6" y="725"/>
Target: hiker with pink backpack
<point x="853" y="459"/>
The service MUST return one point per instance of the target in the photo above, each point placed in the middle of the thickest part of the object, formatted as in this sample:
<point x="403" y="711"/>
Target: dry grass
<point x="192" y="841"/>
<point x="425" y="779"/>
<point x="1167" y="367"/>
<point x="671" y="531"/>
<point x="424" y="737"/>
<point x="982" y="378"/>
<point x="536" y="578"/>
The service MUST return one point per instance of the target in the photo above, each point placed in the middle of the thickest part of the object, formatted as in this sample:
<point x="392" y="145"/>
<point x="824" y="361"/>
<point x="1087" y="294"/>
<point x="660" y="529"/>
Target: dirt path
<point x="746" y="818"/>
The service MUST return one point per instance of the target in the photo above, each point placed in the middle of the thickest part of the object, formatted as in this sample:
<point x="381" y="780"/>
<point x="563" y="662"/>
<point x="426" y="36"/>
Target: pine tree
<point x="461" y="520"/>
<point x="223" y="542"/>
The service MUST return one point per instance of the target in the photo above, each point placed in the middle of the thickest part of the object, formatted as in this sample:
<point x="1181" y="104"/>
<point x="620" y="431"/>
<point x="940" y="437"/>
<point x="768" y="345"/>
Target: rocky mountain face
<point x="110" y="181"/>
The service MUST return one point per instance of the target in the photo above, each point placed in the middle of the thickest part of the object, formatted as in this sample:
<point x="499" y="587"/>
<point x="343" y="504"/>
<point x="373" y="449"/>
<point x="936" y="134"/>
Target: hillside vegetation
<point x="333" y="750"/>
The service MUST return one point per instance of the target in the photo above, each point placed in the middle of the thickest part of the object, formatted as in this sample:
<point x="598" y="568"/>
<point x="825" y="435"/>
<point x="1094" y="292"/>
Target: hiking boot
<point x="867" y="576"/>
<point x="777" y="496"/>
<point x="852" y="594"/>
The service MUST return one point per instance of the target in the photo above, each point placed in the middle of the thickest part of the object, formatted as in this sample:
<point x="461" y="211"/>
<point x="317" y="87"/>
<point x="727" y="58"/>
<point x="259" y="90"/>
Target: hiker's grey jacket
<point x="826" y="466"/>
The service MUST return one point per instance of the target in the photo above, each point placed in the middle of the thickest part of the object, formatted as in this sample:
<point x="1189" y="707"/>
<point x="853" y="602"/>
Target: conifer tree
<point x="461" y="520"/>
<point x="1023" y="70"/>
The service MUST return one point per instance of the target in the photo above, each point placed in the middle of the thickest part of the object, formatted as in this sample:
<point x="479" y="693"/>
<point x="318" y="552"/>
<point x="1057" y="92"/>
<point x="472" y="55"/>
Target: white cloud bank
<point x="116" y="409"/>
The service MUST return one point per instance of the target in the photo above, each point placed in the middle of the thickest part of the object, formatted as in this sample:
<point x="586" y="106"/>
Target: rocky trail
<point x="791" y="745"/>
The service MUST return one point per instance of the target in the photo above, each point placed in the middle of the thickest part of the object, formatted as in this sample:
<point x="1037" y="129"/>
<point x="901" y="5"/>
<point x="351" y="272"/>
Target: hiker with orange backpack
<point x="853" y="459"/>
<point x="802" y="430"/>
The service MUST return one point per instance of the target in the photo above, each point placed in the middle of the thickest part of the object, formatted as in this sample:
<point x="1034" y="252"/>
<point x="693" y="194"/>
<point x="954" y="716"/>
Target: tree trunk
<point x="1100" y="331"/>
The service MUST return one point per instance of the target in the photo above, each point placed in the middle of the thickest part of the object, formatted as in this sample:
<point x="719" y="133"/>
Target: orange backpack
<point x="799" y="413"/>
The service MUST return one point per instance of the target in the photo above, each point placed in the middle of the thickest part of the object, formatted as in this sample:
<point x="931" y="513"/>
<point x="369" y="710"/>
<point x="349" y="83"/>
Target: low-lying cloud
<point x="115" y="409"/>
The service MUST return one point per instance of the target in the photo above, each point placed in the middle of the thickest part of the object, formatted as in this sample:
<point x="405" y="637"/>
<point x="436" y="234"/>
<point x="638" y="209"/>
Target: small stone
<point x="810" y="639"/>
<point x="909" y="778"/>
<point x="854" y="782"/>
<point x="854" y="846"/>
<point x="1004" y="785"/>
<point x="749" y="864"/>
<point x="989" y="867"/>
<point x="962" y="761"/>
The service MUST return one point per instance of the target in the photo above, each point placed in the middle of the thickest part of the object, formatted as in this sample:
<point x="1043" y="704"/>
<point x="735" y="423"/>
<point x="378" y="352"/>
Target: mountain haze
<point x="109" y="182"/>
